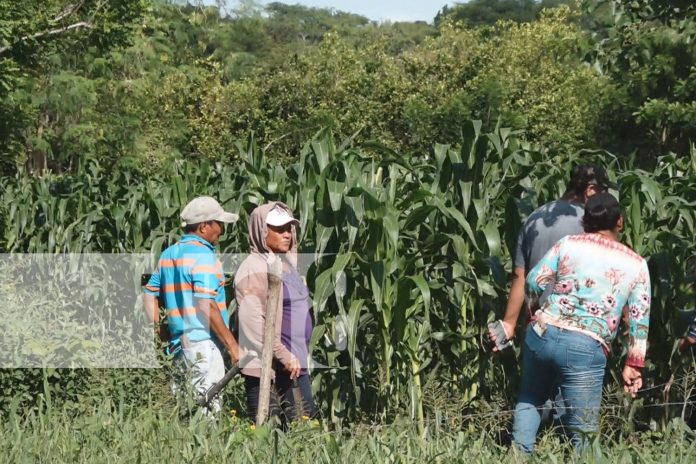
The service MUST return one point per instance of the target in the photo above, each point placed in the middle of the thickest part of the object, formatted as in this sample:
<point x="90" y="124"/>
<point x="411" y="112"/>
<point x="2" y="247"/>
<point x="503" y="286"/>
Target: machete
<point x="205" y="398"/>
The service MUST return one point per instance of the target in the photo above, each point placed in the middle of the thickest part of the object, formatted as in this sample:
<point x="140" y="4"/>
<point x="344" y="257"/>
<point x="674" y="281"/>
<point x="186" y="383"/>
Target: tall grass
<point x="114" y="432"/>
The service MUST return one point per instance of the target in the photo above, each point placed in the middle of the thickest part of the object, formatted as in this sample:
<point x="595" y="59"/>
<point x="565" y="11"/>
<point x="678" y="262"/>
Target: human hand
<point x="293" y="367"/>
<point x="509" y="333"/>
<point x="686" y="343"/>
<point x="633" y="381"/>
<point x="234" y="354"/>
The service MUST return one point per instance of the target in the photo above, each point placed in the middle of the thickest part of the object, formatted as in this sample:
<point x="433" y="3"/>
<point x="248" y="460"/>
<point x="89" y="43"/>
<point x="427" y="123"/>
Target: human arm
<point x="151" y="299"/>
<point x="210" y="311"/>
<point x="516" y="297"/>
<point x="638" y="323"/>
<point x="151" y="305"/>
<point x="689" y="339"/>
<point x="251" y="292"/>
<point x="514" y="306"/>
<point x="638" y="317"/>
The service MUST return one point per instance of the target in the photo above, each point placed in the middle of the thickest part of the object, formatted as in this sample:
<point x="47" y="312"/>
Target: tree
<point x="528" y="77"/>
<point x="36" y="36"/>
<point x="488" y="12"/>
<point x="648" y="49"/>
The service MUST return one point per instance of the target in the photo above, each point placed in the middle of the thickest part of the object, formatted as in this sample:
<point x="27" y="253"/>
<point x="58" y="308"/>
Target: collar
<point x="195" y="238"/>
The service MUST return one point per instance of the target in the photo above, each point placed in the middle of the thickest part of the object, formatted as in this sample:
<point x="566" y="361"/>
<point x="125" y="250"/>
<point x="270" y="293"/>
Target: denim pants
<point x="201" y="365"/>
<point x="570" y="360"/>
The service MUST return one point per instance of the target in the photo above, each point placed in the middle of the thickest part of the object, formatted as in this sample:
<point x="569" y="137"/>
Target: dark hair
<point x="602" y="212"/>
<point x="191" y="228"/>
<point x="584" y="175"/>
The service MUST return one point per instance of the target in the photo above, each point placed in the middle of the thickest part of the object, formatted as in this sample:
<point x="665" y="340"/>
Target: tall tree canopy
<point x="488" y="12"/>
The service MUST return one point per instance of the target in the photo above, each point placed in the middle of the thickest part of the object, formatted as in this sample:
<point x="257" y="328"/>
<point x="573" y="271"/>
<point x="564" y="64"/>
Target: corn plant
<point x="412" y="253"/>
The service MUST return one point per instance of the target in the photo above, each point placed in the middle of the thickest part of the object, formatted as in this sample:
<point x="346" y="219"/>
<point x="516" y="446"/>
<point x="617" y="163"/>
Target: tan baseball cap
<point x="202" y="209"/>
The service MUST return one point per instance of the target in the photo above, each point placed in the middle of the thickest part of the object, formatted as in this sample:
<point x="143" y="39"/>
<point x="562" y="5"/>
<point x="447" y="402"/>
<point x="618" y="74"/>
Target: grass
<point x="114" y="433"/>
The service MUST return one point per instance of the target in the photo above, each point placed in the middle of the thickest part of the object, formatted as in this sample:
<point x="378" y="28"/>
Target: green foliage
<point x="648" y="50"/>
<point x="117" y="432"/>
<point x="172" y="82"/>
<point x="108" y="131"/>
<point x="34" y="36"/>
<point x="488" y="12"/>
<point x="524" y="76"/>
<point x="420" y="245"/>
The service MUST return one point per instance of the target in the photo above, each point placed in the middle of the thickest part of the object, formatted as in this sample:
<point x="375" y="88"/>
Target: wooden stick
<point x="274" y="287"/>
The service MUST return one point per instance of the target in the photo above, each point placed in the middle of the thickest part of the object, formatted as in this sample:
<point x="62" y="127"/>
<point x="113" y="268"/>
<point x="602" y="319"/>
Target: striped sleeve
<point x="153" y="285"/>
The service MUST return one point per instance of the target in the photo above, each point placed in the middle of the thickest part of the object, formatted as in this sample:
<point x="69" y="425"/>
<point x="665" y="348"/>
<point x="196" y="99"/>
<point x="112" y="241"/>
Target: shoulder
<point x="552" y="210"/>
<point x="252" y="266"/>
<point x="170" y="250"/>
<point x="200" y="253"/>
<point x="611" y="246"/>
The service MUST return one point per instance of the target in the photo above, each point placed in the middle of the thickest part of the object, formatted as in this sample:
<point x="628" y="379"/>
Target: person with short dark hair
<point x="189" y="283"/>
<point x="587" y="281"/>
<point x="546" y="226"/>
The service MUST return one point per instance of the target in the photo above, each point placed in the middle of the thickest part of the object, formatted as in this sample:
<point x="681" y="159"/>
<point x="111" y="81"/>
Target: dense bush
<point x="524" y="76"/>
<point x="185" y="85"/>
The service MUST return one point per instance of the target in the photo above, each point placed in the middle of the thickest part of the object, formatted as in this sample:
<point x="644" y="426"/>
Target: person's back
<point x="188" y="270"/>
<point x="544" y="227"/>
<point x="587" y="280"/>
<point x="594" y="278"/>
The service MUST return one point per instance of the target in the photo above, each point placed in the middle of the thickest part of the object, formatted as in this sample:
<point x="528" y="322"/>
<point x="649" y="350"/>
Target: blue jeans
<point x="575" y="363"/>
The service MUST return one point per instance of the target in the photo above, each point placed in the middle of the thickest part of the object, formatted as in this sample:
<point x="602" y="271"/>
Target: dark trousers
<point x="290" y="400"/>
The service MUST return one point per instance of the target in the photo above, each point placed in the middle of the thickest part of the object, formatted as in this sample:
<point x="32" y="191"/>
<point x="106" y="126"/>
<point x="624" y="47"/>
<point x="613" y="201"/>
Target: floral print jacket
<point x="595" y="281"/>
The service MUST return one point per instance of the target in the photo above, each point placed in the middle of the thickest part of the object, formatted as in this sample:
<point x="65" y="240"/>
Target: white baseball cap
<point x="202" y="209"/>
<point x="279" y="216"/>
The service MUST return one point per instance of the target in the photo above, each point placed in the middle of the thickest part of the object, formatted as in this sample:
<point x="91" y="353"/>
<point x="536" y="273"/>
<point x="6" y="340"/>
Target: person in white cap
<point x="189" y="284"/>
<point x="272" y="230"/>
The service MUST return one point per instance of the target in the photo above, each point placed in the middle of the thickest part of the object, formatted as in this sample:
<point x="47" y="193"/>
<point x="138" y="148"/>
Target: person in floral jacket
<point x="584" y="285"/>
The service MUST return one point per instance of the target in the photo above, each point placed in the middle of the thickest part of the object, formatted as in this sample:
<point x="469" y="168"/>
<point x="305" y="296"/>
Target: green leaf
<point x="419" y="280"/>
<point x="335" y="189"/>
<point x="492" y="239"/>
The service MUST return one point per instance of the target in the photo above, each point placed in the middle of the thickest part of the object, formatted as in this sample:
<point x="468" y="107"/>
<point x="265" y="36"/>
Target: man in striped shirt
<point x="189" y="284"/>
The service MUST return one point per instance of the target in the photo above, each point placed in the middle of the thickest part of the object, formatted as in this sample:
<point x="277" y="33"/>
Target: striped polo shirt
<point x="187" y="271"/>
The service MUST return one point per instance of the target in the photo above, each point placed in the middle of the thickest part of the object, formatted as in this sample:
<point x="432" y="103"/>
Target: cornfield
<point x="412" y="258"/>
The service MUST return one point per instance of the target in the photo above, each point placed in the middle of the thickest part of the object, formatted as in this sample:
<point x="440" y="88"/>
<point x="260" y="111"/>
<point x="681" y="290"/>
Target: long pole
<point x="274" y="270"/>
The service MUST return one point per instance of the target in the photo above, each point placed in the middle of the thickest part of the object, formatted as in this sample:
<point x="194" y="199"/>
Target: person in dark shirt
<point x="543" y="228"/>
<point x="546" y="226"/>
